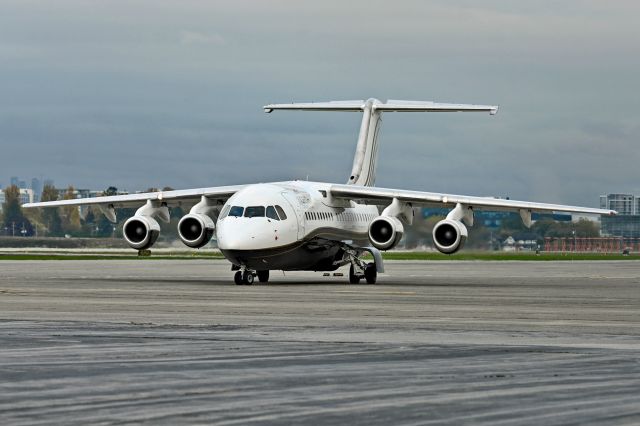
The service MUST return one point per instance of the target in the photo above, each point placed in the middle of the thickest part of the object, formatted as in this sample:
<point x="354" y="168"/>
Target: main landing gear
<point x="360" y="269"/>
<point x="246" y="277"/>
<point x="369" y="273"/>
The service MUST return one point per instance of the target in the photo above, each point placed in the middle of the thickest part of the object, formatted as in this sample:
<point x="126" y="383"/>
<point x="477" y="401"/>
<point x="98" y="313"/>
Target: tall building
<point x="624" y="204"/>
<point x="15" y="180"/>
<point x="627" y="223"/>
<point x="36" y="186"/>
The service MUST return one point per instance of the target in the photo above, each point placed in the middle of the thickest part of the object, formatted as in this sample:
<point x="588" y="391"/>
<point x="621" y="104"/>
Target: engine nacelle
<point x="449" y="236"/>
<point x="385" y="232"/>
<point x="195" y="230"/>
<point x="141" y="232"/>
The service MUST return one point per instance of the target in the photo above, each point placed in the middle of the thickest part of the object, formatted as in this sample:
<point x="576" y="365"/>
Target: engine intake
<point x="195" y="230"/>
<point x="141" y="232"/>
<point x="385" y="232"/>
<point x="449" y="236"/>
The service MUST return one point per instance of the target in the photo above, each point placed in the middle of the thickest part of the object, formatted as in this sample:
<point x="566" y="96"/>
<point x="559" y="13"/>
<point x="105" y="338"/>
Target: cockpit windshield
<point x="236" y="211"/>
<point x="271" y="212"/>
<point x="254" y="211"/>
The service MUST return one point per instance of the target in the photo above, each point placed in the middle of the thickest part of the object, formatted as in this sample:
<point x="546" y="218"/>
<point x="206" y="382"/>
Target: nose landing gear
<point x="246" y="276"/>
<point x="243" y="277"/>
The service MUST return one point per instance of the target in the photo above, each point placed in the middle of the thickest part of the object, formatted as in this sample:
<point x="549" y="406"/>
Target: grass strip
<point x="425" y="256"/>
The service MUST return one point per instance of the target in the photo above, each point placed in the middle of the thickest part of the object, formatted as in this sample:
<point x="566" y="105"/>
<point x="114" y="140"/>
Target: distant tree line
<point x="484" y="237"/>
<point x="68" y="221"/>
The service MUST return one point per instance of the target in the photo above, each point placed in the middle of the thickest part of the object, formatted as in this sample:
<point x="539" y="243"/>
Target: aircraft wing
<point x="171" y="198"/>
<point x="384" y="196"/>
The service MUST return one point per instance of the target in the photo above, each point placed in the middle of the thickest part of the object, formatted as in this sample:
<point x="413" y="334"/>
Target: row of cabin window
<point x="340" y="217"/>
<point x="271" y="212"/>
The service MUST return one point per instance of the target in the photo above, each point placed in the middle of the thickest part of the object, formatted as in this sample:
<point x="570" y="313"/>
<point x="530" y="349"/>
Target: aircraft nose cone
<point x="244" y="234"/>
<point x="229" y="235"/>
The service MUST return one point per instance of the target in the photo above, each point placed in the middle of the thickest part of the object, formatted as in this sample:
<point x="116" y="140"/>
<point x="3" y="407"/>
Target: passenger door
<point x="296" y="206"/>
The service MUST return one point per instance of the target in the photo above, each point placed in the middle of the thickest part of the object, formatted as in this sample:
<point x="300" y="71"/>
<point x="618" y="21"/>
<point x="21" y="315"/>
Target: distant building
<point x="492" y="219"/>
<point x="26" y="196"/>
<point x="84" y="193"/>
<point x="627" y="223"/>
<point x="79" y="193"/>
<point x="624" y="204"/>
<point x="36" y="186"/>
<point x="511" y="244"/>
<point x="627" y="226"/>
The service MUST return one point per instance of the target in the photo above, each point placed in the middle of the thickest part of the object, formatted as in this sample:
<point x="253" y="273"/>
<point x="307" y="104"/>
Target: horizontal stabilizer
<point x="408" y="106"/>
<point x="319" y="106"/>
<point x="376" y="105"/>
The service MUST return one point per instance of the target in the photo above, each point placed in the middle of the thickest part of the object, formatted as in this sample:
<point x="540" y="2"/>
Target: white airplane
<point x="312" y="226"/>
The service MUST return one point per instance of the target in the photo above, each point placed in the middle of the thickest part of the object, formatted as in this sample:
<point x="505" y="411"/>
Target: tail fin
<point x="364" y="163"/>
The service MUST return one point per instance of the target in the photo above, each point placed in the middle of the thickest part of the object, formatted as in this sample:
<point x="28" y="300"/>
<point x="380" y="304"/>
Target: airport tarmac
<point x="174" y="342"/>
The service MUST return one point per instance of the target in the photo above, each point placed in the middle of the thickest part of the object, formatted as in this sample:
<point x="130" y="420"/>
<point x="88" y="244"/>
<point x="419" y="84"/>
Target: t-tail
<point x="363" y="172"/>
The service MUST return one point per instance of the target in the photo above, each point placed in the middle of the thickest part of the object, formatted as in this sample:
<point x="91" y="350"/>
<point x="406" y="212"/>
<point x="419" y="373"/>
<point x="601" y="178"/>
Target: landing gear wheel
<point x="238" y="278"/>
<point x="371" y="273"/>
<point x="247" y="277"/>
<point x="353" y="277"/>
<point x="263" y="276"/>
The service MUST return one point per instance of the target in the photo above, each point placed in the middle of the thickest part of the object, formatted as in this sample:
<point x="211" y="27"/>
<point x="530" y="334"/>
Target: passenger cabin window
<point x="271" y="213"/>
<point x="254" y="211"/>
<point x="236" y="211"/>
<point x="281" y="213"/>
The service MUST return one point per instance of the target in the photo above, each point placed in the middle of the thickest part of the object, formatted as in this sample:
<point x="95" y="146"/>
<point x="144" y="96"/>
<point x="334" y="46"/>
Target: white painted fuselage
<point x="291" y="226"/>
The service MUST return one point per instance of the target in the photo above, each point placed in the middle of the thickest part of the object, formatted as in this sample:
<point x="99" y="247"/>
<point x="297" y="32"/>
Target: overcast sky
<point x="152" y="93"/>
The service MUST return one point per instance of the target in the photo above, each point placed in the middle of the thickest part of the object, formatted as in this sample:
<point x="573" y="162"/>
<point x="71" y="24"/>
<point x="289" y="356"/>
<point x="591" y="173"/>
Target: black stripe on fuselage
<point x="321" y="250"/>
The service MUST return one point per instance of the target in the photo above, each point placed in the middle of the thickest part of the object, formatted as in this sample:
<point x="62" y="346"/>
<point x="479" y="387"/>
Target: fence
<point x="591" y="245"/>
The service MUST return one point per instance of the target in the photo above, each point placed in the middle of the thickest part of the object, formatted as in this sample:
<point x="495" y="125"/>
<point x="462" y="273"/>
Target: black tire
<point x="353" y="278"/>
<point x="263" y="276"/>
<point x="371" y="273"/>
<point x="247" y="277"/>
<point x="238" y="278"/>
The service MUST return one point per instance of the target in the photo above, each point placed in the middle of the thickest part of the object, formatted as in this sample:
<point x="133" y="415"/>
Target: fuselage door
<point x="296" y="201"/>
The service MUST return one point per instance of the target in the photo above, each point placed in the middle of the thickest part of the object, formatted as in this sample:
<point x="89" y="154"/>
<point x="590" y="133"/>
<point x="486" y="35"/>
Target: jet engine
<point x="195" y="230"/>
<point x="141" y="232"/>
<point x="385" y="232"/>
<point x="449" y="236"/>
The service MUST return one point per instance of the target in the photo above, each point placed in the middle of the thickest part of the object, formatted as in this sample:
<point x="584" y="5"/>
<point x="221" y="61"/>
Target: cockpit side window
<point x="224" y="212"/>
<point x="271" y="213"/>
<point x="236" y="211"/>
<point x="281" y="213"/>
<point x="254" y="211"/>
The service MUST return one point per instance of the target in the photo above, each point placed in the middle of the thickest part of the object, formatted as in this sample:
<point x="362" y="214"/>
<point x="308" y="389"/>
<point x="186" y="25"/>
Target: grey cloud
<point x="149" y="93"/>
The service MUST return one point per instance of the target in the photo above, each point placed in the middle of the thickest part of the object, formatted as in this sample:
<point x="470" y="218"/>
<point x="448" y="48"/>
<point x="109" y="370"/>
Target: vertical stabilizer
<point x="363" y="172"/>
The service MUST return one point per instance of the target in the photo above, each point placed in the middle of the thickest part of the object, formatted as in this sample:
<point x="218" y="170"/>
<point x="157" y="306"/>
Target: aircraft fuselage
<point x="290" y="226"/>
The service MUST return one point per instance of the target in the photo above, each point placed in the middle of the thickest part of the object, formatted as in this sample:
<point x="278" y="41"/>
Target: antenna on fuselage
<point x="363" y="171"/>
